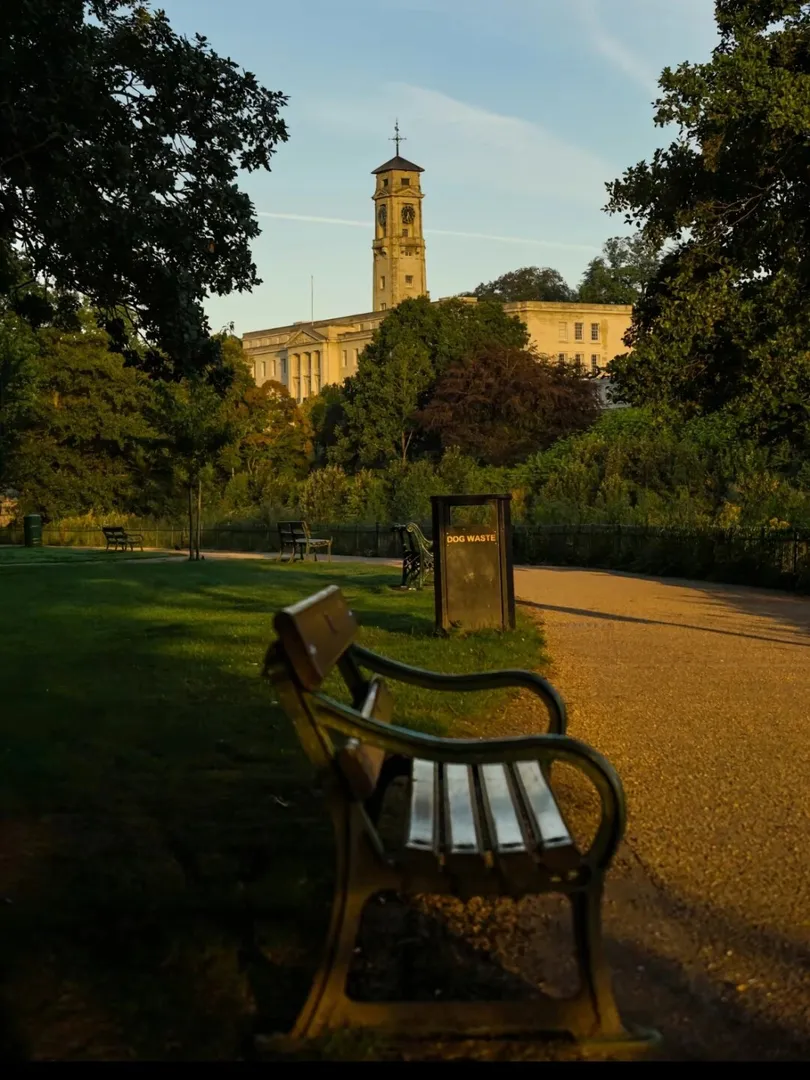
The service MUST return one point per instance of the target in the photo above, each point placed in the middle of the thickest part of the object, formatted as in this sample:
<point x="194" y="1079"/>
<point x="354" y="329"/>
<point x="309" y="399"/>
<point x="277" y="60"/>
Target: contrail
<point x="434" y="232"/>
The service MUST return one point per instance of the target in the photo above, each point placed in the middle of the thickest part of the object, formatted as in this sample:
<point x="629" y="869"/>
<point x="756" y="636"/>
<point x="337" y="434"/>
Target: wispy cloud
<point x="614" y="49"/>
<point x="434" y="232"/>
<point x="475" y="148"/>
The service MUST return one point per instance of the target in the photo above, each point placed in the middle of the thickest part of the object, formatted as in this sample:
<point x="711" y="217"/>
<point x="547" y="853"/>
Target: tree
<point x="120" y="147"/>
<point x="505" y="403"/>
<point x="412" y="347"/>
<point x="326" y="413"/>
<point x="195" y="425"/>
<point x="724" y="325"/>
<point x="73" y="427"/>
<point x="381" y="412"/>
<point x="620" y="274"/>
<point x="528" y="283"/>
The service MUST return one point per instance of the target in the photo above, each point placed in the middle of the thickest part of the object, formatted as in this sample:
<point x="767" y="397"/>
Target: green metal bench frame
<point x="317" y="635"/>
<point x="417" y="555"/>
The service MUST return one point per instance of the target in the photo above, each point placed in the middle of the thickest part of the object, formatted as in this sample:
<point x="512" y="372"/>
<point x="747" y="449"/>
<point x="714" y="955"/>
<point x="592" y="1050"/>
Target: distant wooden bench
<point x="417" y="555"/>
<point x="480" y="820"/>
<point x="119" y="539"/>
<point x="295" y="537"/>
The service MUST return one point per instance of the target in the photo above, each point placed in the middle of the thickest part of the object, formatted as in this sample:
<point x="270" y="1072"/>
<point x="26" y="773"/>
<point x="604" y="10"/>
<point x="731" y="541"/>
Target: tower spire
<point x="397" y="138"/>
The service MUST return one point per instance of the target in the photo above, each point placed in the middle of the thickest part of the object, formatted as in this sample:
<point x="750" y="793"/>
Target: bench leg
<point x="356" y="880"/>
<point x="595" y="980"/>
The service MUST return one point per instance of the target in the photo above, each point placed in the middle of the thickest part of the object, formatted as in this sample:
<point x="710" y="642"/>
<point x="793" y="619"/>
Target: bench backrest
<point x="113" y="530"/>
<point x="418" y="537"/>
<point x="293" y="530"/>
<point x="315" y="637"/>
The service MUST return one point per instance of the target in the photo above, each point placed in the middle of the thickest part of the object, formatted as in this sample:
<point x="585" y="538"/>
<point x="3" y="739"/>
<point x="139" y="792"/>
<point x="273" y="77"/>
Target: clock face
<point x="408" y="214"/>
<point x="382" y="216"/>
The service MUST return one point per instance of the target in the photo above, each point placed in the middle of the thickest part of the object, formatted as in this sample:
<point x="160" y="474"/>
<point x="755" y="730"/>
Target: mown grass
<point x="164" y="864"/>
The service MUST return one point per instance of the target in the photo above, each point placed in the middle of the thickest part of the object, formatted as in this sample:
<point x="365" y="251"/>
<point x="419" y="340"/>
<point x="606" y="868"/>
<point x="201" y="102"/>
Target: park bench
<point x="119" y="539"/>
<point x="295" y="537"/>
<point x="417" y="555"/>
<point x="480" y="820"/>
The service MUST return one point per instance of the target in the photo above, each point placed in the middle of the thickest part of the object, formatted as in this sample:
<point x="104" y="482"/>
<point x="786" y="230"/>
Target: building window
<point x="578" y="328"/>
<point x="405" y="181"/>
<point x="383" y="307"/>
<point x="563" y="331"/>
<point x="594" y="331"/>
<point x="409" y="279"/>
<point x="382" y="282"/>
<point x="344" y="359"/>
<point x="561" y="357"/>
<point x="594" y="362"/>
<point x="356" y="354"/>
<point x="385" y="181"/>
<point x="578" y="358"/>
<point x="405" y="232"/>
<point x="284" y="369"/>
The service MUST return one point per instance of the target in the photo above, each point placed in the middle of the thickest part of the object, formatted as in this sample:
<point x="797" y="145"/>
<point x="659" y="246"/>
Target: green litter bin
<point x="32" y="528"/>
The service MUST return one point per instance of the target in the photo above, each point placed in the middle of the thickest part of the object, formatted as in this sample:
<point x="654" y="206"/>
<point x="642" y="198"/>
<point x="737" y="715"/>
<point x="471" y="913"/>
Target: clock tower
<point x="399" y="244"/>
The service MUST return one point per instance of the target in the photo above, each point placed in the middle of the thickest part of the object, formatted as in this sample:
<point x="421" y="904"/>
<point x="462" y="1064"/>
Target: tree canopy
<point x="503" y="404"/>
<point x="528" y="283"/>
<point x="120" y="147"/>
<point x="397" y="371"/>
<point x="725" y="324"/>
<point x="620" y="274"/>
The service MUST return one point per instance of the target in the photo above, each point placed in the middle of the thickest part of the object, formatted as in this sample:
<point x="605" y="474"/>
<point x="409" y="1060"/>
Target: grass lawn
<point x="11" y="555"/>
<point x="164" y="867"/>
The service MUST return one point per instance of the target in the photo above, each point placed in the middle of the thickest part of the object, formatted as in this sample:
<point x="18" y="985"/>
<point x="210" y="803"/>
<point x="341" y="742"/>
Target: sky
<point x="519" y="111"/>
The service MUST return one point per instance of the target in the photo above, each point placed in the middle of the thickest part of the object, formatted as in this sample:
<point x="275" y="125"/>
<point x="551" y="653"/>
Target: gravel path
<point x="700" y="696"/>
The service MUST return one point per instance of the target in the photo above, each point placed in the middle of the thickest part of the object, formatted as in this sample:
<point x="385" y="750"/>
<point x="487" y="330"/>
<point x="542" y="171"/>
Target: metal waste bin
<point x="474" y="577"/>
<point x="32" y="528"/>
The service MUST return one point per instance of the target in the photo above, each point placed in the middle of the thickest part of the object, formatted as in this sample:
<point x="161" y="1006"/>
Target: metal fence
<point x="777" y="559"/>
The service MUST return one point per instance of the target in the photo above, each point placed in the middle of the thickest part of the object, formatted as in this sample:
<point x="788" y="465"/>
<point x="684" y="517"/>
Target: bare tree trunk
<point x="190" y="521"/>
<point x="199" y="514"/>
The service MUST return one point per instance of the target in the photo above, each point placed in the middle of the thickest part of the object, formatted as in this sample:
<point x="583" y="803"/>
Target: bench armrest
<point x="477" y="681"/>
<point x="542" y="748"/>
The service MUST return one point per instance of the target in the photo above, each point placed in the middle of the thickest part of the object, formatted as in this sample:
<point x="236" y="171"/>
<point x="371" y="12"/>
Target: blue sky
<point x="519" y="111"/>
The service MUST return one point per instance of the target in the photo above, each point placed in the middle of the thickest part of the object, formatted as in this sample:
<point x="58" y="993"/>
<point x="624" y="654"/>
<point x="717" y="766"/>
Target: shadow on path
<point x="613" y="617"/>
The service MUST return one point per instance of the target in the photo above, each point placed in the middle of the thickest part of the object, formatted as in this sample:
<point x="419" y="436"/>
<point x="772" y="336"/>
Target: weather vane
<point x="397" y="138"/>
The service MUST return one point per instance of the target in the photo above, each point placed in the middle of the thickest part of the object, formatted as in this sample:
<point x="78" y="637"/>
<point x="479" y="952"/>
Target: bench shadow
<point x="590" y="613"/>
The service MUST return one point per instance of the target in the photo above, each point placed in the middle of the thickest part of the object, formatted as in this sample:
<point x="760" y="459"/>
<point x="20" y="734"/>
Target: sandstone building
<point x="306" y="356"/>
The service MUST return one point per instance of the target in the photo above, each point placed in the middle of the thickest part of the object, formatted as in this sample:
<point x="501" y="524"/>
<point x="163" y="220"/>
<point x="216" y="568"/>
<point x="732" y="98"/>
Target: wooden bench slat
<point x="547" y="822"/>
<point x="506" y="833"/>
<point x="462" y="834"/>
<point x="422" y="829"/>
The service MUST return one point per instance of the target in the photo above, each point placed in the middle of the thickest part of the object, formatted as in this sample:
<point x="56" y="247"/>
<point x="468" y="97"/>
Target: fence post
<point x="377" y="538"/>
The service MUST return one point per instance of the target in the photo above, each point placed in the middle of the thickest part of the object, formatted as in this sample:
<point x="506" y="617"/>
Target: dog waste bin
<point x="472" y="551"/>
<point x="32" y="528"/>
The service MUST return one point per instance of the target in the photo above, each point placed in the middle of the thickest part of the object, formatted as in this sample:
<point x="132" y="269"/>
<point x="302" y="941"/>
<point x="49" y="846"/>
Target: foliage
<point x="326" y="414"/>
<point x="620" y="274"/>
<point x="637" y="468"/>
<point x="73" y="416"/>
<point x="724" y="326"/>
<point x="504" y="403"/>
<point x="120" y="147"/>
<point x="412" y="347"/>
<point x="528" y="283"/>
